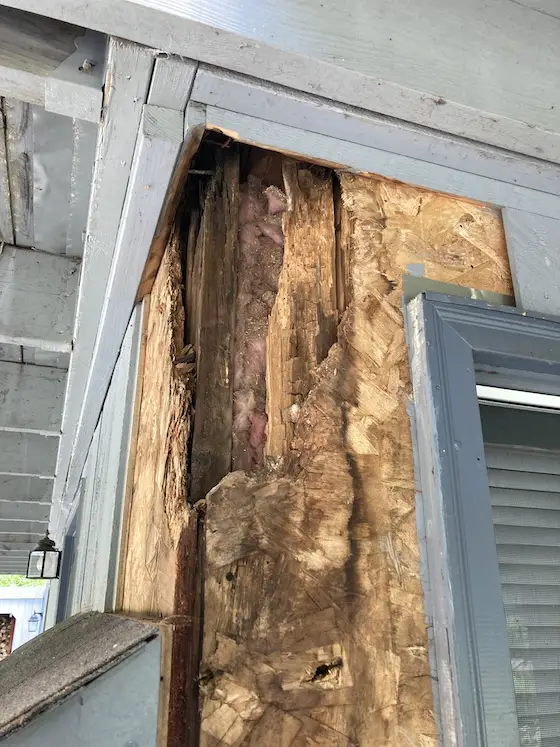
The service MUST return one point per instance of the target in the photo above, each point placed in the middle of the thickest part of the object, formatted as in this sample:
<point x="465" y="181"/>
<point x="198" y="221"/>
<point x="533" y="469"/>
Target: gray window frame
<point x="451" y="339"/>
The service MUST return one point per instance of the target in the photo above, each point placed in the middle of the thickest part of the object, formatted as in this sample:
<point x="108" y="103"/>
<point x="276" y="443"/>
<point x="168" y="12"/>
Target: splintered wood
<point x="158" y="512"/>
<point x="314" y="630"/>
<point x="302" y="325"/>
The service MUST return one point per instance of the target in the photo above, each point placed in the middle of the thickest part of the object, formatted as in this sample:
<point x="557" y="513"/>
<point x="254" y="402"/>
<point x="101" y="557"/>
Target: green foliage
<point x="20" y="581"/>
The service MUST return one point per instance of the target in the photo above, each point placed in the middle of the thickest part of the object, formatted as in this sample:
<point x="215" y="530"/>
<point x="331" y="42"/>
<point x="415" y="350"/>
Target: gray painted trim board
<point x="371" y="160"/>
<point x="381" y="54"/>
<point x="129" y="71"/>
<point x="237" y="93"/>
<point x="159" y="141"/>
<point x="533" y="243"/>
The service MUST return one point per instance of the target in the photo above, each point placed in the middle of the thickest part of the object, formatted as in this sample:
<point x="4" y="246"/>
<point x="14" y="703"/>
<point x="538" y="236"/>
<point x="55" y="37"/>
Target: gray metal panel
<point x="118" y="709"/>
<point x="493" y="78"/>
<point x="31" y="397"/>
<point x="533" y="243"/>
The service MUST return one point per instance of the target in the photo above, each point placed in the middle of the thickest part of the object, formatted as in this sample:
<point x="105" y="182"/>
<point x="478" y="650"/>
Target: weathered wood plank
<point x="129" y="68"/>
<point x="533" y="243"/>
<point x="31" y="397"/>
<point x="355" y="56"/>
<point x="301" y="561"/>
<point x="6" y="224"/>
<point x="19" y="151"/>
<point x="19" y="488"/>
<point x="27" y="454"/>
<point x="215" y="288"/>
<point x="159" y="140"/>
<point x="136" y="383"/>
<point x="172" y="82"/>
<point x="37" y="299"/>
<point x="304" y="318"/>
<point x="158" y="510"/>
<point x="363" y="159"/>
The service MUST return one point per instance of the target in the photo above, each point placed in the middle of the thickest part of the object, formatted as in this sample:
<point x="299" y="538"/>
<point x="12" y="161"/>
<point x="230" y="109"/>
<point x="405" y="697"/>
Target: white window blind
<point x="525" y="495"/>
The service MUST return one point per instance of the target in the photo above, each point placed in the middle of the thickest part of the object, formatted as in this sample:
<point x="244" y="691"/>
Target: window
<point x="493" y="559"/>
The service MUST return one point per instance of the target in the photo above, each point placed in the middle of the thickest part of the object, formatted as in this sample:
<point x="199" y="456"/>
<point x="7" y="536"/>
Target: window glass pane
<point x="35" y="565"/>
<point x="51" y="565"/>
<point x="523" y="461"/>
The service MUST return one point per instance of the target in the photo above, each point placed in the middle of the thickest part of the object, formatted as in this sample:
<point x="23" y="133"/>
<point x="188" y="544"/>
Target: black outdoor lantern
<point x="44" y="560"/>
<point x="33" y="622"/>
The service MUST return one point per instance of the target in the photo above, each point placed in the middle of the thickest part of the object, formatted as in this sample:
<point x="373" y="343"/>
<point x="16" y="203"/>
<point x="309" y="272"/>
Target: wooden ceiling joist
<point x="27" y="454"/>
<point x="32" y="398"/>
<point x="37" y="299"/>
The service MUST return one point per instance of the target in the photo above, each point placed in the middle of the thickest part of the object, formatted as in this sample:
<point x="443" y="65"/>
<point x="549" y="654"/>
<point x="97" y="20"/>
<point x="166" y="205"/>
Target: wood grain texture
<point x="160" y="575"/>
<point x="215" y="285"/>
<point x="304" y="318"/>
<point x="315" y="628"/>
<point x="129" y="68"/>
<point x="533" y="242"/>
<point x="158" y="511"/>
<point x="31" y="397"/>
<point x="37" y="299"/>
<point x="376" y="56"/>
<point x="19" y="151"/>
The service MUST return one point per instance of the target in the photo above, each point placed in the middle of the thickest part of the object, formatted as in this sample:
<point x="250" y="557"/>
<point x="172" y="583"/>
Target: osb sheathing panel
<point x="158" y="512"/>
<point x="315" y="631"/>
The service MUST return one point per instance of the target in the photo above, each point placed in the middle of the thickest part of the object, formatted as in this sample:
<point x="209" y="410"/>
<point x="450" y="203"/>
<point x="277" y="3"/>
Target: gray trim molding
<point x="450" y="340"/>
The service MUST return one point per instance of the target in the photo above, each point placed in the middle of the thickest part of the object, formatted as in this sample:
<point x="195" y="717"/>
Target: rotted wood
<point x="160" y="575"/>
<point x="304" y="317"/>
<point x="315" y="628"/>
<point x="214" y="284"/>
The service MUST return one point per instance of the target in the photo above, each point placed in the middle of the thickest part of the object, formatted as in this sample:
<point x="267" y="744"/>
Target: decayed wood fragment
<point x="214" y="285"/>
<point x="158" y="512"/>
<point x="314" y="618"/>
<point x="303" y="321"/>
